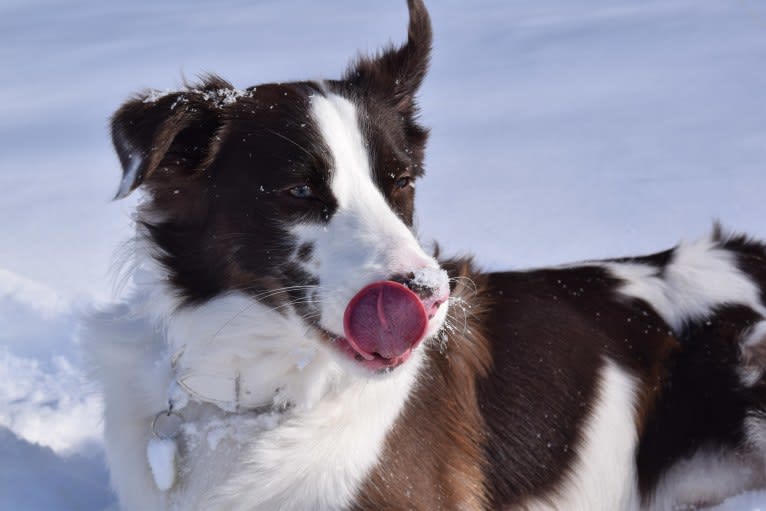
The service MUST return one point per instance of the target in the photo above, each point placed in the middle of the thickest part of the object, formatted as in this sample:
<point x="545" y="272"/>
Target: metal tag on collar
<point x="162" y="451"/>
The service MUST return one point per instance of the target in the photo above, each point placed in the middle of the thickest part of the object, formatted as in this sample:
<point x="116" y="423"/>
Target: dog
<point x="287" y="343"/>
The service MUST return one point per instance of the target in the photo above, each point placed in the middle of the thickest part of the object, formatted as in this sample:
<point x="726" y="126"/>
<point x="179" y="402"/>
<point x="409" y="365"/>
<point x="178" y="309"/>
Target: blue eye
<point x="403" y="182"/>
<point x="301" y="192"/>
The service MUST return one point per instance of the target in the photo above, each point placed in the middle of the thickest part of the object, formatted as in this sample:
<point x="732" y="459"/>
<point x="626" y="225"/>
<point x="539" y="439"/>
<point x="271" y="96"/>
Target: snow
<point x="560" y="131"/>
<point x="34" y="477"/>
<point x="219" y="97"/>
<point x="222" y="97"/>
<point x="44" y="393"/>
<point x="752" y="501"/>
<point x="155" y="95"/>
<point x="429" y="278"/>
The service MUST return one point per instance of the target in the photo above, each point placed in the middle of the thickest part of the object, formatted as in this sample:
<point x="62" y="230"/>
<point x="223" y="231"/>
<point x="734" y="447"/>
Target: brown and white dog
<point x="288" y="344"/>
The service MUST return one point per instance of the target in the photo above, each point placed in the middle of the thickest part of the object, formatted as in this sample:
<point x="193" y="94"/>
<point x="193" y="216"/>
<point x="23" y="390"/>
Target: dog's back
<point x="623" y="384"/>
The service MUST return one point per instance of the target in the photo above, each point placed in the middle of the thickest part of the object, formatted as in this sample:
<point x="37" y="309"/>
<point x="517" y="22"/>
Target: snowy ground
<point x="561" y="131"/>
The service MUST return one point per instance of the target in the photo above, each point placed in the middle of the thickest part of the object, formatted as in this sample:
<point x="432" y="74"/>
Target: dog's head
<point x="299" y="196"/>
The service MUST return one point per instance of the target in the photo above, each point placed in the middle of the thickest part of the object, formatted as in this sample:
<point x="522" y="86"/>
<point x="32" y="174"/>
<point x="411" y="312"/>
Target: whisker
<point x="257" y="302"/>
<point x="463" y="279"/>
<point x="311" y="318"/>
<point x="288" y="139"/>
<point x="293" y="302"/>
<point x="272" y="292"/>
<point x="460" y="304"/>
<point x="228" y="322"/>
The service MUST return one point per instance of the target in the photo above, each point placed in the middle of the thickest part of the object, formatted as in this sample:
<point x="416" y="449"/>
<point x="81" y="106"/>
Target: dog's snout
<point x="408" y="280"/>
<point x="421" y="288"/>
<point x="430" y="284"/>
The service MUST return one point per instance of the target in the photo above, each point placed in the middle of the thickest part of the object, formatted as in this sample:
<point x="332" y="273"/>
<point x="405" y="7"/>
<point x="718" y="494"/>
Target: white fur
<point x="365" y="240"/>
<point x="700" y="277"/>
<point x="603" y="477"/>
<point x="313" y="457"/>
<point x="234" y="338"/>
<point x="126" y="351"/>
<point x="317" y="459"/>
<point x="706" y="479"/>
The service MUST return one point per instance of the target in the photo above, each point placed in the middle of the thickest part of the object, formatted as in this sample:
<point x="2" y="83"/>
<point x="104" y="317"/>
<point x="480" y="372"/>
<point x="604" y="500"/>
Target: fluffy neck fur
<point x="228" y="356"/>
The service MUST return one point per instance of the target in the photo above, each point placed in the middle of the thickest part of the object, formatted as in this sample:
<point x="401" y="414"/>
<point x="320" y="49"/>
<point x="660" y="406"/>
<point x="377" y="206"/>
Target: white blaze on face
<point x="364" y="241"/>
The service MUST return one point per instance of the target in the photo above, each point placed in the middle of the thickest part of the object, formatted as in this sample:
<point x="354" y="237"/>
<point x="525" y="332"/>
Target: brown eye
<point x="403" y="182"/>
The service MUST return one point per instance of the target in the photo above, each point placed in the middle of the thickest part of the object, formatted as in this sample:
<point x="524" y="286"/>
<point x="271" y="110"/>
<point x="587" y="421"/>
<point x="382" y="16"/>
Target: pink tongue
<point x="384" y="318"/>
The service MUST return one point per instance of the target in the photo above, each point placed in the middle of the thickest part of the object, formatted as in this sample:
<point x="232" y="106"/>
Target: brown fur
<point x="432" y="455"/>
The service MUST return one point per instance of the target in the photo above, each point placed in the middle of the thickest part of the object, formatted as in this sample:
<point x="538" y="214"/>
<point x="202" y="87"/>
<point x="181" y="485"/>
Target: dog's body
<point x="317" y="358"/>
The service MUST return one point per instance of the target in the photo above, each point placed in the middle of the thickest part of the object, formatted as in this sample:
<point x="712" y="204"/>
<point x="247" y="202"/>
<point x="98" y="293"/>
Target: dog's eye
<point x="403" y="182"/>
<point x="301" y="192"/>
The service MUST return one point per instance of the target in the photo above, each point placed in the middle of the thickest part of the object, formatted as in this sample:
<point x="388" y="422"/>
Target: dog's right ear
<point x="397" y="73"/>
<point x="145" y="128"/>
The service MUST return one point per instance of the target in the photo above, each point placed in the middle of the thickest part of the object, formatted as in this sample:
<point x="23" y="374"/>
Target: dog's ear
<point x="397" y="73"/>
<point x="162" y="130"/>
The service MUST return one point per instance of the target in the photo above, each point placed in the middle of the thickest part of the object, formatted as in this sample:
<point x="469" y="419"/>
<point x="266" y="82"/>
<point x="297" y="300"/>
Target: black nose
<point x="408" y="280"/>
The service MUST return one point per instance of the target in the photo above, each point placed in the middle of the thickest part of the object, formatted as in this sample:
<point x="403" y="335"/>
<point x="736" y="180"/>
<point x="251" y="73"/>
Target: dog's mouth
<point x="383" y="324"/>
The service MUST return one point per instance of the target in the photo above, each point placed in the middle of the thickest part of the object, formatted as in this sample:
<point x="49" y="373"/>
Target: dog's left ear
<point x="397" y="73"/>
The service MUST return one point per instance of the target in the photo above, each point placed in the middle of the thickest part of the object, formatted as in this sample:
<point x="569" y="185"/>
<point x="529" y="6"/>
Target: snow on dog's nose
<point x="431" y="285"/>
<point x="385" y="318"/>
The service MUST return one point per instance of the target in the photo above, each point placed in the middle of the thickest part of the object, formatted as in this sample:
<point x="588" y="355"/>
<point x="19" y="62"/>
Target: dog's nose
<point x="429" y="284"/>
<point x="423" y="289"/>
<point x="408" y="281"/>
